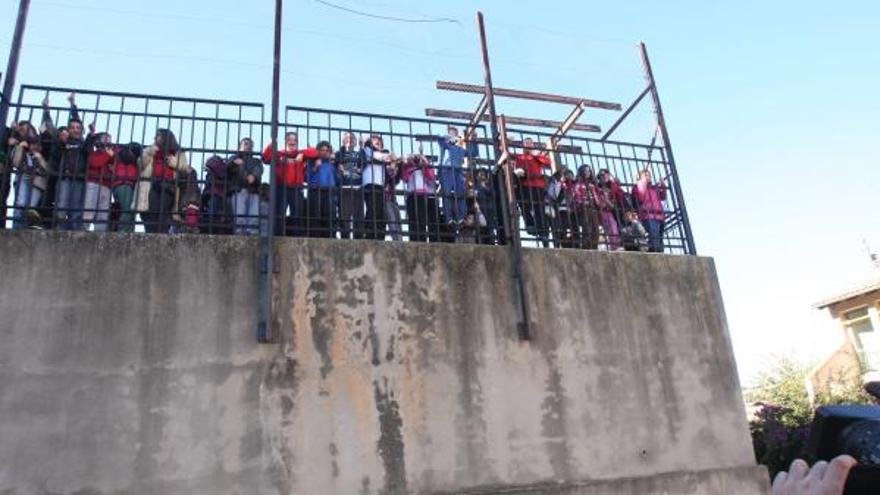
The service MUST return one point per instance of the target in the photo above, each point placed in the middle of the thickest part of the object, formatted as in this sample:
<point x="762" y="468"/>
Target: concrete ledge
<point x="128" y="364"/>
<point x="734" y="481"/>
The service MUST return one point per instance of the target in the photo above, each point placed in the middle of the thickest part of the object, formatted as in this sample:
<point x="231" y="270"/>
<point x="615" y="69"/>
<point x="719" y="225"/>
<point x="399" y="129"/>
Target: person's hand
<point x="111" y="152"/>
<point x="823" y="479"/>
<point x="24" y="145"/>
<point x="176" y="217"/>
<point x="250" y="179"/>
<point x="92" y="128"/>
<point x="72" y="98"/>
<point x="299" y="158"/>
<point x="46" y="102"/>
<point x="238" y="161"/>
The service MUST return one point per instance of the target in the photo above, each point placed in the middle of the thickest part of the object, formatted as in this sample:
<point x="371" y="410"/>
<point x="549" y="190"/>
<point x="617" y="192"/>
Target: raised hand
<point x="823" y="479"/>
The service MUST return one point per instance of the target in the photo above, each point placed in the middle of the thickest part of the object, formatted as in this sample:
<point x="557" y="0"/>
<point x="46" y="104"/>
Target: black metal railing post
<point x="664" y="134"/>
<point x="511" y="228"/>
<point x="8" y="86"/>
<point x="265" y="333"/>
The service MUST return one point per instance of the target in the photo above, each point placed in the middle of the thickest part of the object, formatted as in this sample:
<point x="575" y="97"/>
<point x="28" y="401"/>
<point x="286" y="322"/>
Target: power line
<point x="217" y="61"/>
<point x="143" y="14"/>
<point x="388" y="18"/>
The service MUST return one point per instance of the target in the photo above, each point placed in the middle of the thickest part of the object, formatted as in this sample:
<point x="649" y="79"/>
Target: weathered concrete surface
<point x="128" y="365"/>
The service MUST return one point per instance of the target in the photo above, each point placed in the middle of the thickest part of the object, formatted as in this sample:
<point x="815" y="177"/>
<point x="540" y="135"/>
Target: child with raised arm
<point x="453" y="152"/>
<point x="650" y="197"/>
<point x="71" y="151"/>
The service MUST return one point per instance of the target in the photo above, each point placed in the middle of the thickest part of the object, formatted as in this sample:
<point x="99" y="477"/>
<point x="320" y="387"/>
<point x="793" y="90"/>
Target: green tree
<point x="781" y="424"/>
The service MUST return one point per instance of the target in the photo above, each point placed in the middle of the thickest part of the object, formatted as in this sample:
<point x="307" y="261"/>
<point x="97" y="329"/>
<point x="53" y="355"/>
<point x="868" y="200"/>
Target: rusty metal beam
<point x="477" y="117"/>
<point x="561" y="131"/>
<point x="543" y="147"/>
<point x="628" y="111"/>
<point x="527" y="95"/>
<point x="568" y="124"/>
<point x="507" y="143"/>
<point x="451" y="114"/>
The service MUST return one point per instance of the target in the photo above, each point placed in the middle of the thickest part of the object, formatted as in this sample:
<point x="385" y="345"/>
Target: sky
<point x="772" y="107"/>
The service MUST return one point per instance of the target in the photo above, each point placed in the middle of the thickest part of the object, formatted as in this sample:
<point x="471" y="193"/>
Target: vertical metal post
<point x="8" y="87"/>
<point x="508" y="206"/>
<point x="661" y="124"/>
<point x="265" y="333"/>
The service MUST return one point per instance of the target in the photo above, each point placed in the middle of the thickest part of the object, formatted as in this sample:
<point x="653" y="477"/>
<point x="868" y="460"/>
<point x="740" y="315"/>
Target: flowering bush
<point x="778" y="436"/>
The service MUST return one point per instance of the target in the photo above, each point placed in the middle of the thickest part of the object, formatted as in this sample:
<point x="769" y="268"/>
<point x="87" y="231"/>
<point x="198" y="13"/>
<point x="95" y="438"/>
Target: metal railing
<point x="416" y="193"/>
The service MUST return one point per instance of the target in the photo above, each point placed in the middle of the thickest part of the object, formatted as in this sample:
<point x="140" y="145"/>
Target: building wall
<point x="128" y="365"/>
<point x="839" y="369"/>
<point x="845" y="364"/>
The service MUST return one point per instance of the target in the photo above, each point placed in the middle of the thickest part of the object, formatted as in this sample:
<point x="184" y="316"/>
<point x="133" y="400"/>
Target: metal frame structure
<point x="207" y="127"/>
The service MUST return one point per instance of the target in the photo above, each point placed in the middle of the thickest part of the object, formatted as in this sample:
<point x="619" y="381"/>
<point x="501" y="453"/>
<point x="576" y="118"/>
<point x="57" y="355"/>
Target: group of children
<point x="71" y="180"/>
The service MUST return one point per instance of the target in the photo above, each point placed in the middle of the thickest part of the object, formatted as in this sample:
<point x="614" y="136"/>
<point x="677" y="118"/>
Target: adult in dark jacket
<point x="351" y="196"/>
<point x="245" y="171"/>
<point x="71" y="151"/>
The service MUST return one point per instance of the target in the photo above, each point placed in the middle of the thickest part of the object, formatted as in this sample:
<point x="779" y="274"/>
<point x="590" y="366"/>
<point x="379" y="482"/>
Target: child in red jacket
<point x="124" y="181"/>
<point x="99" y="178"/>
<point x="290" y="182"/>
<point x="530" y="167"/>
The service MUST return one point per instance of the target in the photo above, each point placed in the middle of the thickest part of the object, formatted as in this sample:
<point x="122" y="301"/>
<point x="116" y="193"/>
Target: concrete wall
<point x="128" y="365"/>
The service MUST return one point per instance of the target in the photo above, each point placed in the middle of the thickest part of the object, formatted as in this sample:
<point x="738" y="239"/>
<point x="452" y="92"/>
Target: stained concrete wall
<point x="128" y="365"/>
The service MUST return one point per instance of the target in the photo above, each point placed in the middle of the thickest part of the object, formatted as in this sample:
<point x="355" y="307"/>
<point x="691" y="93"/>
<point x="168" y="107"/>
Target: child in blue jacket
<point x="323" y="180"/>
